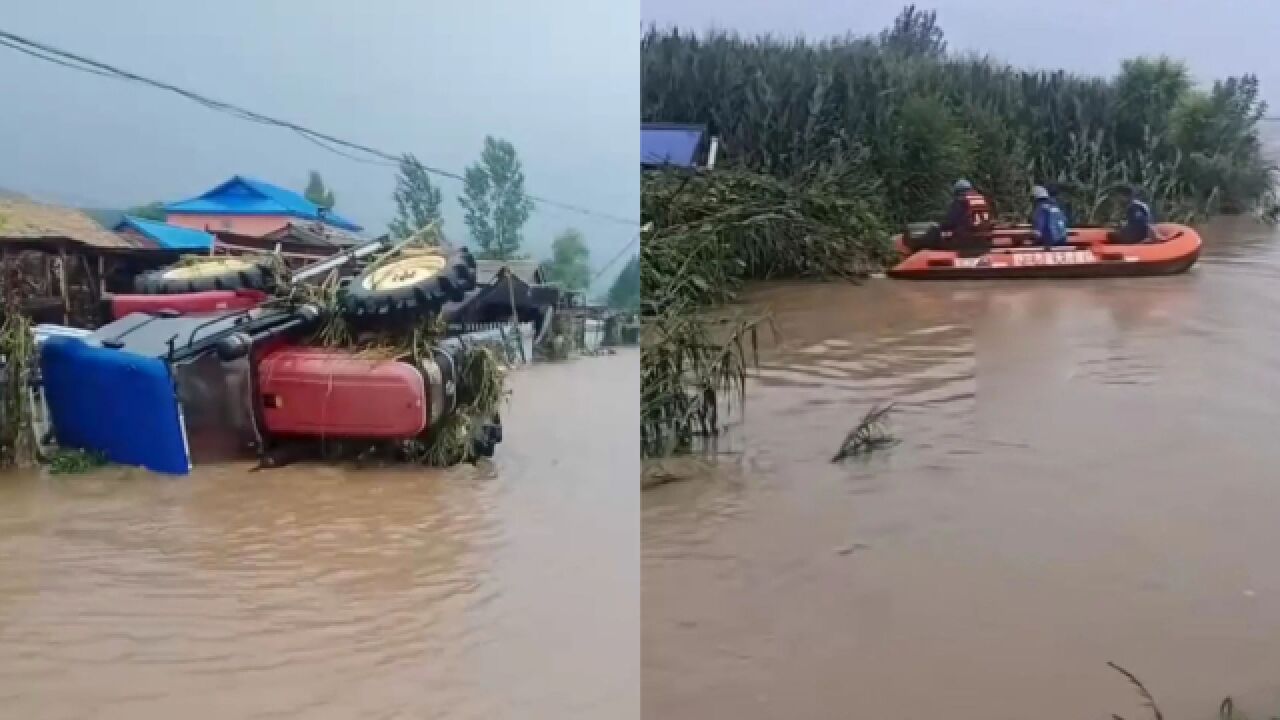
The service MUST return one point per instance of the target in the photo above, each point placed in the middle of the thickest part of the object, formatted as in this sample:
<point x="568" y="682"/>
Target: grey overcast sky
<point x="1216" y="37"/>
<point x="558" y="78"/>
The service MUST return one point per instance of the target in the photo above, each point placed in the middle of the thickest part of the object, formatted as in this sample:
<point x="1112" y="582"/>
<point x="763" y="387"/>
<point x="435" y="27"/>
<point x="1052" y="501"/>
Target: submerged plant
<point x="17" y="352"/>
<point x="870" y="434"/>
<point x="71" y="461"/>
<point x="693" y="366"/>
<point x="481" y="390"/>
<point x="707" y="235"/>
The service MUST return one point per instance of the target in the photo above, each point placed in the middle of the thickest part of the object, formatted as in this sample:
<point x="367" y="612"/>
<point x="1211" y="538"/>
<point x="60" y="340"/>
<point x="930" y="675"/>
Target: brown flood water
<point x="1088" y="473"/>
<point x="504" y="591"/>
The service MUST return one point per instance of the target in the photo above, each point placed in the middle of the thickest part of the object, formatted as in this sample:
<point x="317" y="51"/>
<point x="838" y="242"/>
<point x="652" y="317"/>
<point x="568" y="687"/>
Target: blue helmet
<point x="962" y="185"/>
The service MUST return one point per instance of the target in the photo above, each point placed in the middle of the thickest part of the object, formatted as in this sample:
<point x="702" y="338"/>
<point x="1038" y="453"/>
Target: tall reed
<point x="927" y="117"/>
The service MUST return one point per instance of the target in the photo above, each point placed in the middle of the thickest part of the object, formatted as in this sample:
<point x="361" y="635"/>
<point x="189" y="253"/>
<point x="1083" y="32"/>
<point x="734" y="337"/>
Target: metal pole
<point x="515" y="316"/>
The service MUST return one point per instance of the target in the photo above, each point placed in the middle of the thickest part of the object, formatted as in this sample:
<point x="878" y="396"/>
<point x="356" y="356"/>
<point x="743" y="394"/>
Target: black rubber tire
<point x="249" y="275"/>
<point x="424" y="297"/>
<point x="487" y="438"/>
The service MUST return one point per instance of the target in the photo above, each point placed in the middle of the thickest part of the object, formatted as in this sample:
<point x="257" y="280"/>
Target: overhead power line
<point x="621" y="251"/>
<point x="81" y="63"/>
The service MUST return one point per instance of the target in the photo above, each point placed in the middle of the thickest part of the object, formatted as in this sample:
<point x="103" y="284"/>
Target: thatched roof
<point x="30" y="223"/>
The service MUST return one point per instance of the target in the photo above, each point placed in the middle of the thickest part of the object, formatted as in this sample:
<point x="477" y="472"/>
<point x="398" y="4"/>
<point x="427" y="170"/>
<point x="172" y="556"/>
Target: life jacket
<point x="1057" y="222"/>
<point x="977" y="210"/>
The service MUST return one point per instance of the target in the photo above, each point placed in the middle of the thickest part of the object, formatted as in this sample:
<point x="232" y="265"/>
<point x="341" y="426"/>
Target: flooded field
<point x="503" y="591"/>
<point x="1087" y="473"/>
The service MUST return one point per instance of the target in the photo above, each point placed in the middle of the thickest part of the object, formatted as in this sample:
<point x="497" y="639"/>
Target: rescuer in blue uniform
<point x="1139" y="222"/>
<point x="1048" y="222"/>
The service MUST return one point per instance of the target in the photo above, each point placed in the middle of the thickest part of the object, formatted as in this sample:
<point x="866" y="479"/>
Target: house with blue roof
<point x="166" y="236"/>
<point x="251" y="208"/>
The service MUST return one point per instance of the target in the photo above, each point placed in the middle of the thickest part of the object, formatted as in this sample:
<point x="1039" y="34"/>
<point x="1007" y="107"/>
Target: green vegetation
<point x="17" y="352"/>
<point x="417" y="199"/>
<point x="570" y="263"/>
<point x="150" y="211"/>
<point x="494" y="200"/>
<point x="317" y="193"/>
<point x="70" y="461"/>
<point x="831" y="146"/>
<point x="924" y="118"/>
<point x="480" y="394"/>
<point x="706" y="235"/>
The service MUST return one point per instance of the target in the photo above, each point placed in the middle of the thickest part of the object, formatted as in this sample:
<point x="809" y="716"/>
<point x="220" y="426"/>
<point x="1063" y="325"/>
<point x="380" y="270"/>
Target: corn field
<point x="830" y="146"/>
<point x="925" y="118"/>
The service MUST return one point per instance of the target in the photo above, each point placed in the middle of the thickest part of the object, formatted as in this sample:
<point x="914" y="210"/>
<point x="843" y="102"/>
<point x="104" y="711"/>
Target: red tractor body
<point x="312" y="392"/>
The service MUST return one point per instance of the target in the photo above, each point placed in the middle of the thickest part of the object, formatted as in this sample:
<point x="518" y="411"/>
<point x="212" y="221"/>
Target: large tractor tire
<point x="415" y="284"/>
<point x="203" y="274"/>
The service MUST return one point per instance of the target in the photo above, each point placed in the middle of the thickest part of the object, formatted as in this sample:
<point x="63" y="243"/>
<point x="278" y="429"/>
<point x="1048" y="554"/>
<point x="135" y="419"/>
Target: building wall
<point x="251" y="225"/>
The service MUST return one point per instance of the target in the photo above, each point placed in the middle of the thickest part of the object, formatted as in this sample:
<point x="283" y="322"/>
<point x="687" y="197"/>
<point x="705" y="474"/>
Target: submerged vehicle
<point x="1008" y="253"/>
<point x="205" y="364"/>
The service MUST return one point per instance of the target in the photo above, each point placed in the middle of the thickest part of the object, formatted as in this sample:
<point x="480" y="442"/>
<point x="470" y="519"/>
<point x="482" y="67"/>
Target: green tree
<point x="150" y="211"/>
<point x="915" y="33"/>
<point x="569" y="265"/>
<point x="495" y="202"/>
<point x="317" y="193"/>
<point x="624" y="294"/>
<point x="417" y="200"/>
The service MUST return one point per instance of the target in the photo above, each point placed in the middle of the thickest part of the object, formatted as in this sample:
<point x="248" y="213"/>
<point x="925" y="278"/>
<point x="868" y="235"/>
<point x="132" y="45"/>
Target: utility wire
<point x="614" y="259"/>
<point x="74" y="61"/>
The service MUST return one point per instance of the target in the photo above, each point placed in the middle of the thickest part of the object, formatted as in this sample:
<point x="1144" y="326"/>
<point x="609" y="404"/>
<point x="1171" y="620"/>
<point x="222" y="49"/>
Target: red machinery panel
<point x="186" y="303"/>
<point x="327" y="393"/>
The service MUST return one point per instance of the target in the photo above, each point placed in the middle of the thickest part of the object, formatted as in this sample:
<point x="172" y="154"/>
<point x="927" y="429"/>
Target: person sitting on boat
<point x="1048" y="222"/>
<point x="1139" y="222"/>
<point x="969" y="212"/>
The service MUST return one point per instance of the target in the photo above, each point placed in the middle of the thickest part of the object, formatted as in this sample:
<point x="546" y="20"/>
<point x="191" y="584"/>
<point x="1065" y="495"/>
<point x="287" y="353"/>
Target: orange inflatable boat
<point x="1087" y="254"/>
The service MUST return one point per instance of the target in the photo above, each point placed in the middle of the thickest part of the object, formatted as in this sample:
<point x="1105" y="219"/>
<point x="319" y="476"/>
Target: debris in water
<point x="70" y="461"/>
<point x="870" y="434"/>
<point x="1148" y="701"/>
<point x="851" y="549"/>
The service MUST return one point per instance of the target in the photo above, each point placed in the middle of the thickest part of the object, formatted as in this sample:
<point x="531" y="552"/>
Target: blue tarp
<point x="169" y="237"/>
<point x="670" y="144"/>
<point x="246" y="196"/>
<point x="116" y="403"/>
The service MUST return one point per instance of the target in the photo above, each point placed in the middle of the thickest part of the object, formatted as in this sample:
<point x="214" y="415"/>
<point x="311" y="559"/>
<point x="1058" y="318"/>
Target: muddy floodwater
<point x="1089" y="471"/>
<point x="504" y="591"/>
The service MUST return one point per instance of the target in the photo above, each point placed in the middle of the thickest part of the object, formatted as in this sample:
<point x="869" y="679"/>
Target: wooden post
<point x="91" y="282"/>
<point x="64" y="284"/>
<point x="515" y="315"/>
<point x="7" y="293"/>
<point x="49" y="285"/>
<point x="102" y="275"/>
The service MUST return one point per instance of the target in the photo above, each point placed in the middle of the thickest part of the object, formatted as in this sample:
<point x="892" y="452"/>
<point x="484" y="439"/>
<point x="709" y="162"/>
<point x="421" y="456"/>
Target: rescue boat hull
<point x="1088" y="255"/>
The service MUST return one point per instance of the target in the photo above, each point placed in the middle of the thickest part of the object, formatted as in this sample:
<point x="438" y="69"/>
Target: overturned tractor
<point x="215" y="357"/>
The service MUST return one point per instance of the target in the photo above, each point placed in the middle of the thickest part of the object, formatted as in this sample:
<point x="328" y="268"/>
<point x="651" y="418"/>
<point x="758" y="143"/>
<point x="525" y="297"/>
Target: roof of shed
<point x="27" y="221"/>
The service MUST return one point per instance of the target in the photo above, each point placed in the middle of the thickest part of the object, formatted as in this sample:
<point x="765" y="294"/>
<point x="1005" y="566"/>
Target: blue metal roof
<point x="245" y="196"/>
<point x="169" y="237"/>
<point x="670" y="144"/>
